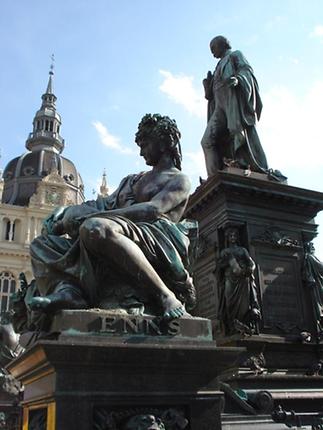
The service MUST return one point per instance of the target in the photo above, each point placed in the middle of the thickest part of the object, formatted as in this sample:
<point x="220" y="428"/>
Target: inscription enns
<point x="135" y="325"/>
<point x="280" y="292"/>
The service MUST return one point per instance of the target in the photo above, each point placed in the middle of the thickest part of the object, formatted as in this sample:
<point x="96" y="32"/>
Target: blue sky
<point x="117" y="60"/>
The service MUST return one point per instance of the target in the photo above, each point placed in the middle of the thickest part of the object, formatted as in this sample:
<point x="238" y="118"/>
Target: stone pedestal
<point x="10" y="411"/>
<point x="83" y="380"/>
<point x="274" y="220"/>
<point x="277" y="371"/>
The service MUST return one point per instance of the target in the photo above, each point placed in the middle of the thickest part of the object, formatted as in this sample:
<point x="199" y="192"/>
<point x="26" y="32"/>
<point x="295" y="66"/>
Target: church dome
<point x="23" y="174"/>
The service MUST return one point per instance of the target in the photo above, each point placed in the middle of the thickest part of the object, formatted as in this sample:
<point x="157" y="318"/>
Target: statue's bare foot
<point x="65" y="298"/>
<point x="190" y="294"/>
<point x="173" y="308"/>
<point x="9" y="337"/>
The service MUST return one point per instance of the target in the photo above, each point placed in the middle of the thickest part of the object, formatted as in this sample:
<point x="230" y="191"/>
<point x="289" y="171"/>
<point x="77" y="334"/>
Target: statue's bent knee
<point x="92" y="230"/>
<point x="97" y="229"/>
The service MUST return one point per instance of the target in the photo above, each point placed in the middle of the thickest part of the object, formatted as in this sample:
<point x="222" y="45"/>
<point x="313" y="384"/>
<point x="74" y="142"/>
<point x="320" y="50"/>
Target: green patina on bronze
<point x="128" y="250"/>
<point x="234" y="106"/>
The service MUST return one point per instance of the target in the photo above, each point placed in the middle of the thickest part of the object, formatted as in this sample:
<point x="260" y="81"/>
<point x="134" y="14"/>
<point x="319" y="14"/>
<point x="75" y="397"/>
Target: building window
<point x="51" y="126"/>
<point x="7" y="287"/>
<point x="46" y="125"/>
<point x="9" y="230"/>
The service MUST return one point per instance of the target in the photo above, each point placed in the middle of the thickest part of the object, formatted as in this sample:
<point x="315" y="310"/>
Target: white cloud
<point x="290" y="127"/>
<point x="109" y="140"/>
<point x="317" y="31"/>
<point x="180" y="89"/>
<point x="295" y="60"/>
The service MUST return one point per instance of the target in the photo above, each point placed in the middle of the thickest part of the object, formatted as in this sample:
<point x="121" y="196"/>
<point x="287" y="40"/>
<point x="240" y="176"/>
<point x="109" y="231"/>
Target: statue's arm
<point x="222" y="261"/>
<point x="240" y="63"/>
<point x="66" y="221"/>
<point x="174" y="193"/>
<point x="250" y="264"/>
<point x="241" y="70"/>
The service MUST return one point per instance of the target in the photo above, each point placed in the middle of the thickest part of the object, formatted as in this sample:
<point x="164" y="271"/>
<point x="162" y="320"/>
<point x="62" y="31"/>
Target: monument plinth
<point x="94" y="381"/>
<point x="117" y="348"/>
<point x="275" y="223"/>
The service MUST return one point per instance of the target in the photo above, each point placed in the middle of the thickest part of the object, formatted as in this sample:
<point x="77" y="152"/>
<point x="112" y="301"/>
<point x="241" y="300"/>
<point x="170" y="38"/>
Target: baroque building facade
<point x="31" y="186"/>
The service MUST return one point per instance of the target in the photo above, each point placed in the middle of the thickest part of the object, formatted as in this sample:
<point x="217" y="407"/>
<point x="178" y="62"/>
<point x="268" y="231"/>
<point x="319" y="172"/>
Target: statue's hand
<point x="232" y="81"/>
<point x="9" y="337"/>
<point x="207" y="84"/>
<point x="58" y="228"/>
<point x="70" y="224"/>
<point x="225" y="253"/>
<point x="73" y="218"/>
<point x="208" y="77"/>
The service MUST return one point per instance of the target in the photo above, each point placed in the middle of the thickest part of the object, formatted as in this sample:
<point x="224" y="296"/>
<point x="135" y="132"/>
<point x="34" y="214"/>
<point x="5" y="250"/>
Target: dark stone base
<point x="81" y="381"/>
<point x="284" y="368"/>
<point x="275" y="221"/>
<point x="242" y="422"/>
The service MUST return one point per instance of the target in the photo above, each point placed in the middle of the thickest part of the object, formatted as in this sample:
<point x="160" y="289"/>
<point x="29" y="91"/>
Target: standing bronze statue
<point x="238" y="302"/>
<point x="313" y="278"/>
<point x="234" y="105"/>
<point x="128" y="250"/>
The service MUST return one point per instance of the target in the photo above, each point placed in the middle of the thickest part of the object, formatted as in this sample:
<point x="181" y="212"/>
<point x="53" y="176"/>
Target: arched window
<point x="9" y="228"/>
<point x="46" y="125"/>
<point x="7" y="231"/>
<point x="16" y="231"/>
<point x="7" y="287"/>
<point x="51" y="126"/>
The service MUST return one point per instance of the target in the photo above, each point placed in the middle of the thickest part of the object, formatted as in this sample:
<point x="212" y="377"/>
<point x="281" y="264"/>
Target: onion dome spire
<point x="47" y="122"/>
<point x="42" y="176"/>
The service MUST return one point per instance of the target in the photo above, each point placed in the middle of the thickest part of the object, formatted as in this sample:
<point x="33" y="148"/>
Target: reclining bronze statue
<point x="127" y="251"/>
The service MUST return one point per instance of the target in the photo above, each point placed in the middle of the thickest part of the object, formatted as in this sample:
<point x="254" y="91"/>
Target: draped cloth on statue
<point x="237" y="288"/>
<point x="237" y="109"/>
<point x="313" y="274"/>
<point x="165" y="244"/>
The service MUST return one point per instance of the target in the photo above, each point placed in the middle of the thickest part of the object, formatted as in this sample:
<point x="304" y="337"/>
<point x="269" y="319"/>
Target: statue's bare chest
<point x="149" y="185"/>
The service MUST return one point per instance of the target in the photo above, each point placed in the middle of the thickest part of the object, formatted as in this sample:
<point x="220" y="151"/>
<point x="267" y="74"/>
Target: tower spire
<point x="47" y="122"/>
<point x="104" y="189"/>
<point x="1" y="178"/>
<point x="49" y="89"/>
<point x="1" y="170"/>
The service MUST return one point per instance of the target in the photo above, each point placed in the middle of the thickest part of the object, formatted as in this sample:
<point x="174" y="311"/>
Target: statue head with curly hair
<point x="164" y="132"/>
